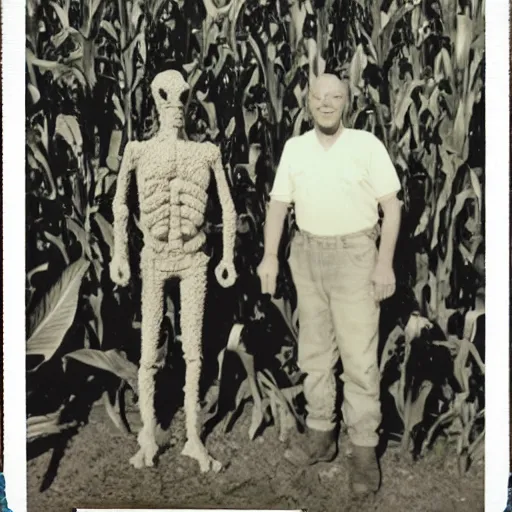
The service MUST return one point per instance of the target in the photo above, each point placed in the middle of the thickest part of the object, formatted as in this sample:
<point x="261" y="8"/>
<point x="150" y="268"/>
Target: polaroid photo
<point x="261" y="263"/>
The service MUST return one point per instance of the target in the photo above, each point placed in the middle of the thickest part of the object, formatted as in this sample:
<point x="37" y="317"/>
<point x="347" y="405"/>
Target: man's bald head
<point x="328" y="81"/>
<point x="328" y="96"/>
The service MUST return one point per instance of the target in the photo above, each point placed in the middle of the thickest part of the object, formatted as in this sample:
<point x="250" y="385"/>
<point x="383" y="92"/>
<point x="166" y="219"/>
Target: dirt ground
<point x="95" y="472"/>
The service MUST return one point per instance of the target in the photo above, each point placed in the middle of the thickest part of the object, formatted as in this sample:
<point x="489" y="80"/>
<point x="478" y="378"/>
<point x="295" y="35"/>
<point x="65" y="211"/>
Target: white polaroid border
<point x="13" y="215"/>
<point x="497" y="243"/>
<point x="497" y="336"/>
<point x="176" y="510"/>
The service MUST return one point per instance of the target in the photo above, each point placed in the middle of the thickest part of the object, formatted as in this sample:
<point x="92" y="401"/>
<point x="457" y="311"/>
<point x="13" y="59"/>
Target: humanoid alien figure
<point x="172" y="178"/>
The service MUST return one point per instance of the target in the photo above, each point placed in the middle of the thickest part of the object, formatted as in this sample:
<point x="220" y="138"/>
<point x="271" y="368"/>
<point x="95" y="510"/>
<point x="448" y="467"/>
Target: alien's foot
<point x="146" y="454"/>
<point x="197" y="451"/>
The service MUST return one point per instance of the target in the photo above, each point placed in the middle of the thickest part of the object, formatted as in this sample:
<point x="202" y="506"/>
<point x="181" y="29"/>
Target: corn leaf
<point x="235" y="338"/>
<point x="390" y="346"/>
<point x="68" y="127"/>
<point x="81" y="235"/>
<point x="463" y="39"/>
<point x="287" y="315"/>
<point x="54" y="315"/>
<point x="415" y="410"/>
<point x="107" y="231"/>
<point x="257" y="410"/>
<point x="96" y="301"/>
<point x="112" y="361"/>
<point x="46" y="425"/>
<point x="114" y="413"/>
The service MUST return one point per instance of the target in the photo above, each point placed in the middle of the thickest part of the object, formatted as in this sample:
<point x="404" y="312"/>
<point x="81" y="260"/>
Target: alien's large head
<point x="168" y="89"/>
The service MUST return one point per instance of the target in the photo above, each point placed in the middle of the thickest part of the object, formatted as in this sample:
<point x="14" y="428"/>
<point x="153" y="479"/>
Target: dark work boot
<point x="315" y="446"/>
<point x="364" y="470"/>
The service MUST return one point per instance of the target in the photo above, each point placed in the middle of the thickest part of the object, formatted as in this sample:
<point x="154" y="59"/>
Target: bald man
<point x="336" y="177"/>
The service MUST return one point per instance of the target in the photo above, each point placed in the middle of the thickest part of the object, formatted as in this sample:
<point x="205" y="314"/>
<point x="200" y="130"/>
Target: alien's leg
<point x="193" y="291"/>
<point x="152" y="316"/>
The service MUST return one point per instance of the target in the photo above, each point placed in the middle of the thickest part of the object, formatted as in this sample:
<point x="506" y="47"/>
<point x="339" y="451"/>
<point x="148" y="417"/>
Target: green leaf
<point x="415" y="410"/>
<point x="114" y="412"/>
<point x="443" y="419"/>
<point x="96" y="302"/>
<point x="415" y="326"/>
<point x="107" y="231"/>
<point x="390" y="346"/>
<point x="386" y="34"/>
<point x="286" y="422"/>
<point x="357" y="66"/>
<point x="55" y="240"/>
<point x="283" y="396"/>
<point x="235" y="338"/>
<point x="404" y="101"/>
<point x="113" y="361"/>
<point x="286" y="314"/>
<point x="38" y="160"/>
<point x="256" y="49"/>
<point x="40" y="268"/>
<point x="68" y="128"/>
<point x="470" y="323"/>
<point x="109" y="29"/>
<point x="54" y="315"/>
<point x="91" y="10"/>
<point x="459" y="133"/>
<point x="476" y="449"/>
<point x="463" y="39"/>
<point x="258" y="416"/>
<point x="242" y="395"/>
<point x="34" y="93"/>
<point x="81" y="235"/>
<point x="394" y="391"/>
<point x="211" y="112"/>
<point x="46" y="425"/>
<point x="61" y="14"/>
<point x="250" y="116"/>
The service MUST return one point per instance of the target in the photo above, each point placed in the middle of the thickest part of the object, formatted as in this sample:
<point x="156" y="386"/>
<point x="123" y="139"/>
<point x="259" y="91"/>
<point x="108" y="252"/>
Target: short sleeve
<point x="282" y="189"/>
<point x="383" y="176"/>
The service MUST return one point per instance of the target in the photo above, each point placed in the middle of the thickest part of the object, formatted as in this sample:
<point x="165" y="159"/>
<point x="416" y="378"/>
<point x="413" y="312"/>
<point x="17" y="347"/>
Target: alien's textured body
<point x="172" y="188"/>
<point x="172" y="177"/>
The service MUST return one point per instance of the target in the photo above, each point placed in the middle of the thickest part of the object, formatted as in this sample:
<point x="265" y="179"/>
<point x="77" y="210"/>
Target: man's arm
<point x="281" y="198"/>
<point x="274" y="223"/>
<point x="392" y="210"/>
<point x="273" y="230"/>
<point x="384" y="276"/>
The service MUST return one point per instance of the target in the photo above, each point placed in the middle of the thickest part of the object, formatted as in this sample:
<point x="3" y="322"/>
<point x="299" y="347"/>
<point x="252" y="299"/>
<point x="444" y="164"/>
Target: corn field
<point x="416" y="74"/>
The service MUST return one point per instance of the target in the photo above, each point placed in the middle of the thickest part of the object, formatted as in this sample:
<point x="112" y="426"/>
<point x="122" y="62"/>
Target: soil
<point x="95" y="472"/>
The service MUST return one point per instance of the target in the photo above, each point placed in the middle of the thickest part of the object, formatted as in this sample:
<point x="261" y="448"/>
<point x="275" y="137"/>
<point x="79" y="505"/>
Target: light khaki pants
<point x="338" y="317"/>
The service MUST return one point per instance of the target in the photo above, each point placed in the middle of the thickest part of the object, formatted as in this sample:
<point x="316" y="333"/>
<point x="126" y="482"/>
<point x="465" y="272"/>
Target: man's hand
<point x="267" y="272"/>
<point x="384" y="282"/>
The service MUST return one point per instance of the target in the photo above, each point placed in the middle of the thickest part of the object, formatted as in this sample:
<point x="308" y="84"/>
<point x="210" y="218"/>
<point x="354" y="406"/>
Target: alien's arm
<point x="228" y="208"/>
<point x="120" y="207"/>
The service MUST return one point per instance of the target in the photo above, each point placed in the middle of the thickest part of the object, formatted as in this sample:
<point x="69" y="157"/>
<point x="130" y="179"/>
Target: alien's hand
<point x="120" y="270"/>
<point x="226" y="273"/>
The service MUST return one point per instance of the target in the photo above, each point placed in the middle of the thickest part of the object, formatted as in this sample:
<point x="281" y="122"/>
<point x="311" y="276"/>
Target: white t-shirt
<point x="335" y="191"/>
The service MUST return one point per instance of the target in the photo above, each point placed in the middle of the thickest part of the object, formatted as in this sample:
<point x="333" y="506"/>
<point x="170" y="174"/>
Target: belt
<point x="372" y="232"/>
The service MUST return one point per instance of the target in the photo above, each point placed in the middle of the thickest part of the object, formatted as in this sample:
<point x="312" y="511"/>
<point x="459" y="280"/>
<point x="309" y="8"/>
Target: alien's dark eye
<point x="184" y="96"/>
<point x="162" y="93"/>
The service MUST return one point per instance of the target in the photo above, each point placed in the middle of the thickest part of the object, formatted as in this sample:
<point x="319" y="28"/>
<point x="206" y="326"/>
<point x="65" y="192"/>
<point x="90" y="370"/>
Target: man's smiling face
<point x="327" y="99"/>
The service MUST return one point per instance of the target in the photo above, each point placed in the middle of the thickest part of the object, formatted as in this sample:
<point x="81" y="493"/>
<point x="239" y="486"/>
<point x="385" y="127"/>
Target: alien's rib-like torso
<point x="172" y="180"/>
